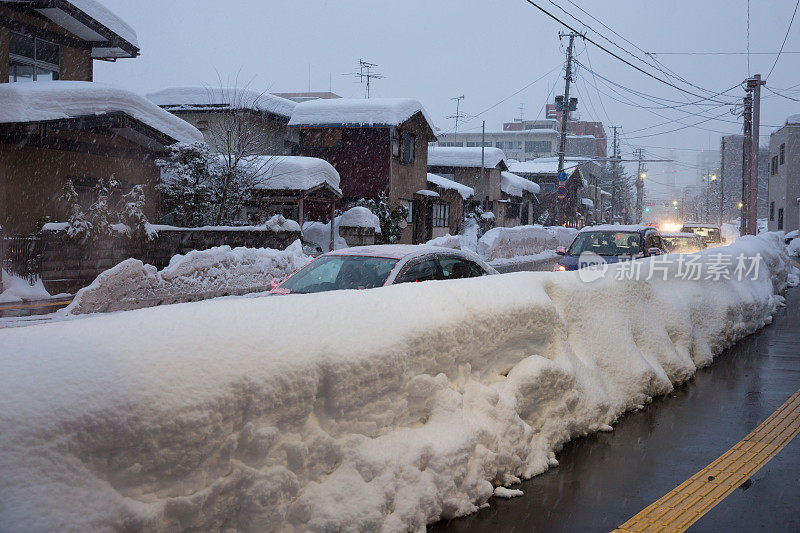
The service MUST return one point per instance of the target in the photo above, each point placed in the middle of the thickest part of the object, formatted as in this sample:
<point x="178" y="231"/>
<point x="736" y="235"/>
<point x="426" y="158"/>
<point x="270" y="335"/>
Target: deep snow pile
<point x="195" y="276"/>
<point x="16" y="289"/>
<point x="286" y="413"/>
<point x="505" y="243"/>
<point x="446" y="241"/>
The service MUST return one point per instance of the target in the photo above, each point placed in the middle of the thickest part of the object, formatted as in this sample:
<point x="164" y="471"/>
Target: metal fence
<point x="22" y="256"/>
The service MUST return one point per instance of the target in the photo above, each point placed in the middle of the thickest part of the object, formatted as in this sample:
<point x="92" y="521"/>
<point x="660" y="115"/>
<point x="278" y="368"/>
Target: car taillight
<point x="559" y="268"/>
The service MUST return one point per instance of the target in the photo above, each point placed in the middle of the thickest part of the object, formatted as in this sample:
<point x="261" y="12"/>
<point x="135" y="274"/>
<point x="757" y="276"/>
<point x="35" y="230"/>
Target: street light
<point x="643" y="175"/>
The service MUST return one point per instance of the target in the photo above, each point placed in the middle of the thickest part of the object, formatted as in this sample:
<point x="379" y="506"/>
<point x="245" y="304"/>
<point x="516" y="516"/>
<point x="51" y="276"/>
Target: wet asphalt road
<point x="605" y="479"/>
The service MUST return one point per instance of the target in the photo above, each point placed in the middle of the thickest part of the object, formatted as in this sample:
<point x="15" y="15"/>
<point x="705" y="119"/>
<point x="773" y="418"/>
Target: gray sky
<point x="435" y="50"/>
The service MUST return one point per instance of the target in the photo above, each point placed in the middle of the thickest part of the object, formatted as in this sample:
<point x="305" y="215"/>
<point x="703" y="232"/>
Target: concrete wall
<point x="69" y="265"/>
<point x="784" y="187"/>
<point x="32" y="179"/>
<point x="270" y="130"/>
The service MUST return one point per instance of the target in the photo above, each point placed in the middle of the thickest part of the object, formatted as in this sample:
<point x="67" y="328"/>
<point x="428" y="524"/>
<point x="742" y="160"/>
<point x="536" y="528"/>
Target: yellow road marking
<point x="29" y="306"/>
<point x="686" y="503"/>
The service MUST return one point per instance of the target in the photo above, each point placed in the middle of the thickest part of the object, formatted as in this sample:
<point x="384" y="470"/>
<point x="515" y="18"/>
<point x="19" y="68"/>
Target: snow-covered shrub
<point x="185" y="186"/>
<point x="390" y="217"/>
<point x="101" y="220"/>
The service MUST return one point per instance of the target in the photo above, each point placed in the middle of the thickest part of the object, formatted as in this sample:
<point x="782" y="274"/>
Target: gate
<point x="22" y="256"/>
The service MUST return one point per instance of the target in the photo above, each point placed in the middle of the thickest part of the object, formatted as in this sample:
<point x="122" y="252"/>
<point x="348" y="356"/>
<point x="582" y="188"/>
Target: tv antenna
<point x="365" y="73"/>
<point x="458" y="114"/>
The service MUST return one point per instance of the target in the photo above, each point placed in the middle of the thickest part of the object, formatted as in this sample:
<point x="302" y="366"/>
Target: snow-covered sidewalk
<point x="378" y="410"/>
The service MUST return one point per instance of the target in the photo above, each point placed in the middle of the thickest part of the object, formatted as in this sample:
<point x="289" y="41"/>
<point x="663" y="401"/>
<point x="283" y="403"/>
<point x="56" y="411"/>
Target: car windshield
<point x="682" y="245"/>
<point x="606" y="243"/>
<point x="709" y="234"/>
<point x="334" y="272"/>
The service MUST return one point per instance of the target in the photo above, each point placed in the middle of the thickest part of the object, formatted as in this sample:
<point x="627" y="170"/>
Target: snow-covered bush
<point x="390" y="217"/>
<point x="185" y="186"/>
<point x="102" y="219"/>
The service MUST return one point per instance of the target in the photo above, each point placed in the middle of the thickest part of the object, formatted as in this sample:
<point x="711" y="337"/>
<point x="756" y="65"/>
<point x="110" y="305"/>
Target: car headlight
<point x="560" y="268"/>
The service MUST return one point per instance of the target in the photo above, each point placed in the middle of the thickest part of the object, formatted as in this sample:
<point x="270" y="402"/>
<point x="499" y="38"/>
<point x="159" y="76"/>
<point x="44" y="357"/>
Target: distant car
<point x="683" y="243"/>
<point x="789" y="237"/>
<point x="367" y="267"/>
<point x="613" y="243"/>
<point x="710" y="233"/>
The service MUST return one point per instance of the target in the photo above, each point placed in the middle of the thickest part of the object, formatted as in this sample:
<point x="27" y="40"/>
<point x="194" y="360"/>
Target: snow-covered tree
<point x="188" y="173"/>
<point x="98" y="221"/>
<point x="133" y="215"/>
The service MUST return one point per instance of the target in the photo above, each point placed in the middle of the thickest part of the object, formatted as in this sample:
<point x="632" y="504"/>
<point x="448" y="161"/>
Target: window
<point x="783" y="153"/>
<point x="547" y="187"/>
<point x="425" y="270"/>
<point x="772" y="210"/>
<point x="202" y="125"/>
<point x="321" y="138"/>
<point x="475" y="144"/>
<point x="508" y="145"/>
<point x="538" y="146"/>
<point x="32" y="59"/>
<point x="780" y="218"/>
<point x="774" y="167"/>
<point x="451" y="144"/>
<point x="407" y="154"/>
<point x="459" y="268"/>
<point x="441" y="215"/>
<point x="409" y="210"/>
<point x="512" y="210"/>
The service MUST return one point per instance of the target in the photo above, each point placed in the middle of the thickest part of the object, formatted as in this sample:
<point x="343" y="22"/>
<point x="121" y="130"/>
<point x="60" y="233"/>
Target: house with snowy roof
<point x="507" y="197"/>
<point x="260" y="116"/>
<point x="448" y="211"/>
<point x="63" y="127"/>
<point x="378" y="146"/>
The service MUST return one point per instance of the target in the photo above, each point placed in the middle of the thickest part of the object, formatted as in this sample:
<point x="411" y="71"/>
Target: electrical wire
<point x="784" y="39"/>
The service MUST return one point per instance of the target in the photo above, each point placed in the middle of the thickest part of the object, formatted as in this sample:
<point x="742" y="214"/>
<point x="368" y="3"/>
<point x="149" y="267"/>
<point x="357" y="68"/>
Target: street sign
<point x="562" y="176"/>
<point x="561" y="191"/>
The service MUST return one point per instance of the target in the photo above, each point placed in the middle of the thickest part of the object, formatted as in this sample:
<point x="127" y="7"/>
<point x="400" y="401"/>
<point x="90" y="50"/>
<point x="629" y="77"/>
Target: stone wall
<point x="357" y="236"/>
<point x="69" y="265"/>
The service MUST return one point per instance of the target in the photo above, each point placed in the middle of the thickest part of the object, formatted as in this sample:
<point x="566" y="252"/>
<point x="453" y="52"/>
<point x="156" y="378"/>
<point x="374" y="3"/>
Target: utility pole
<point x="640" y="175"/>
<point x="458" y="115"/>
<point x="483" y="156"/>
<point x="614" y="171"/>
<point x="565" y="105"/>
<point x="707" y="179"/>
<point x="747" y="113"/>
<point x="754" y="84"/>
<point x="721" y="181"/>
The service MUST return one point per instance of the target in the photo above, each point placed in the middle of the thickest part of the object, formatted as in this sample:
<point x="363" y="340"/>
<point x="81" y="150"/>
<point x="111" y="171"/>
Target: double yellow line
<point x="684" y="505"/>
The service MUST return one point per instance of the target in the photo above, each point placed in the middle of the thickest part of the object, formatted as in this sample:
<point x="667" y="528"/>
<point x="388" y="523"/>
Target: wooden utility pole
<point x="721" y="181"/>
<point x="483" y="156"/>
<point x="614" y="172"/>
<point x="747" y="113"/>
<point x="754" y="84"/>
<point x="566" y="106"/>
<point x="640" y="187"/>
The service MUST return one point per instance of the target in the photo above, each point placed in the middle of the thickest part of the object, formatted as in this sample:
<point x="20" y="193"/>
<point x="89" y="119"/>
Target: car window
<point x="608" y="243"/>
<point x="458" y="268"/>
<point x="340" y="272"/>
<point x="424" y="270"/>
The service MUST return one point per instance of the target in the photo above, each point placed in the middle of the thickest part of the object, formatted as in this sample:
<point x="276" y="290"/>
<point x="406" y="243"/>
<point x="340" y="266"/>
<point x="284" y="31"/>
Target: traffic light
<point x="646" y="209"/>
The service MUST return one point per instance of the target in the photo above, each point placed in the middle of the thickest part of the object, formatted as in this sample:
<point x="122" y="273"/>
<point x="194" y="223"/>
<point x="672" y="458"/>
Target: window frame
<point x="408" y="148"/>
<point x="33" y="61"/>
<point x="772" y="211"/>
<point x="783" y="153"/>
<point x="418" y="261"/>
<point x="440" y="219"/>
<point x="780" y="218"/>
<point x="473" y="265"/>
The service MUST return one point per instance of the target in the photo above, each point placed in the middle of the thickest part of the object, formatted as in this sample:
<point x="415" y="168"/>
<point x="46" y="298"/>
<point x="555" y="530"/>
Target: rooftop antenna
<point x="365" y="73"/>
<point x="458" y="114"/>
<point x="521" y="112"/>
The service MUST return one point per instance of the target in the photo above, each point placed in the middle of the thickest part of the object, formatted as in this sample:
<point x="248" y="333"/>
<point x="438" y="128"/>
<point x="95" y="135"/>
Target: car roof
<point x="630" y="228"/>
<point x="699" y="225"/>
<point x="396" y="251"/>
<point x="680" y="234"/>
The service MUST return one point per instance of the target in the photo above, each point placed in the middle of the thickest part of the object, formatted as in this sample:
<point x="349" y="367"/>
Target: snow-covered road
<point x="370" y="410"/>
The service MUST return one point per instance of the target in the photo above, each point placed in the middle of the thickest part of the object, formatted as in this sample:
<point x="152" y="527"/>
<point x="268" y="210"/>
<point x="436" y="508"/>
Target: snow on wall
<point x="285" y="413"/>
<point x="197" y="275"/>
<point x="199" y="98"/>
<point x="504" y="243"/>
<point x="357" y="112"/>
<point x="53" y="100"/>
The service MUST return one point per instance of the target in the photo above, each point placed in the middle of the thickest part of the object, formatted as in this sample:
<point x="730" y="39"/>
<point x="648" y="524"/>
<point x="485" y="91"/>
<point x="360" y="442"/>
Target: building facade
<point x="784" y="178"/>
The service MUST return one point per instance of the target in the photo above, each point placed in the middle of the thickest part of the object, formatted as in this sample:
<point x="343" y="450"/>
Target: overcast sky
<point x="435" y="50"/>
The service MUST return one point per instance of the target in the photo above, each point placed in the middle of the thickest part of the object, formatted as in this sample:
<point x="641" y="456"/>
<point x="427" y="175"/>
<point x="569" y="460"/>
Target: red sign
<point x="561" y="191"/>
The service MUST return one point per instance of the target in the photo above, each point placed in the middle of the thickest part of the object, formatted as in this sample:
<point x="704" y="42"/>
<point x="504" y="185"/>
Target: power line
<point x="609" y="52"/>
<point x="719" y="53"/>
<point x="784" y="39"/>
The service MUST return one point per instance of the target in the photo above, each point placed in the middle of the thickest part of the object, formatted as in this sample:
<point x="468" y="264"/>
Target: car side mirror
<point x="654" y="251"/>
<point x="724" y="239"/>
<point x="561" y="250"/>
<point x="275" y="282"/>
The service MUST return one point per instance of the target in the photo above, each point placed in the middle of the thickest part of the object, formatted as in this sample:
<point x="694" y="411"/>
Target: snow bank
<point x="286" y="413"/>
<point x="446" y="241"/>
<point x="197" y="275"/>
<point x="504" y="243"/>
<point x="319" y="233"/>
<point x="53" y="100"/>
<point x="357" y="112"/>
<point x="16" y="289"/>
<point x="793" y="248"/>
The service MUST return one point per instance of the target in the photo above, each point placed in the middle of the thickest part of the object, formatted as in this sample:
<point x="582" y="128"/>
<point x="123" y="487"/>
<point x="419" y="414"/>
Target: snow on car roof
<point x="514" y="185"/>
<point x="395" y="251"/>
<point x="54" y="100"/>
<point x="295" y="173"/>
<point x="206" y="98"/>
<point x="699" y="225"/>
<point x="444" y="183"/>
<point x="468" y="157"/>
<point x="680" y="234"/>
<point x="357" y="112"/>
<point x="616" y="227"/>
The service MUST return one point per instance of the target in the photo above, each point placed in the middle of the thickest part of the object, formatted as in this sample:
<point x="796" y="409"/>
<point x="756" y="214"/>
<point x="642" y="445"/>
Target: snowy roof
<point x="427" y="192"/>
<point x="55" y="100"/>
<point x="498" y="134"/>
<point x="515" y="185"/>
<point x="546" y="165"/>
<point x="360" y="217"/>
<point x="616" y="227"/>
<point x="206" y="98"/>
<point x="444" y="183"/>
<point x="294" y="173"/>
<point x="357" y="112"/>
<point x="91" y="21"/>
<point x="587" y="202"/>
<point x="793" y="119"/>
<point x="455" y="156"/>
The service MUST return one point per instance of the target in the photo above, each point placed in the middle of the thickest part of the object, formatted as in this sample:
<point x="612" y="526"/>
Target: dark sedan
<point x="612" y="243"/>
